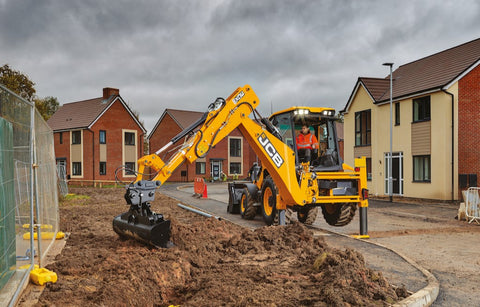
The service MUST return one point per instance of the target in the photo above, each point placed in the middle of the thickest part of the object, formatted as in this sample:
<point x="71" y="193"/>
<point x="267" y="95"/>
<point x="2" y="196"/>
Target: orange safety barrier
<point x="199" y="187"/>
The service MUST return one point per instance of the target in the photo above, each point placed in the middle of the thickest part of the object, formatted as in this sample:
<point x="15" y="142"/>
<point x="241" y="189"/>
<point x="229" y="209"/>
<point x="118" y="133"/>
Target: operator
<point x="306" y="143"/>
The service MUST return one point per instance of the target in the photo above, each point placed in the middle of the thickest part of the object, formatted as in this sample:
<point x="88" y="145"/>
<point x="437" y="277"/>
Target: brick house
<point x="93" y="137"/>
<point x="230" y="156"/>
<point x="436" y="120"/>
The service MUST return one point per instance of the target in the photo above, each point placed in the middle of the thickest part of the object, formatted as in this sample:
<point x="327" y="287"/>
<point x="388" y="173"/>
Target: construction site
<point x="299" y="230"/>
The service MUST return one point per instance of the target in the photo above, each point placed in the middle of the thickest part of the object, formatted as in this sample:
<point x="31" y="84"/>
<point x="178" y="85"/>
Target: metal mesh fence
<point x="32" y="183"/>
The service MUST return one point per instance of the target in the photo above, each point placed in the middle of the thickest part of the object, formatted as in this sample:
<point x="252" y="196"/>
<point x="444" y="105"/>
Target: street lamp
<point x="390" y="180"/>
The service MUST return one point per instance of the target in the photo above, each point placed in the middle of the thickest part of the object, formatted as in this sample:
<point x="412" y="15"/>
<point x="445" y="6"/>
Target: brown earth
<point x="212" y="263"/>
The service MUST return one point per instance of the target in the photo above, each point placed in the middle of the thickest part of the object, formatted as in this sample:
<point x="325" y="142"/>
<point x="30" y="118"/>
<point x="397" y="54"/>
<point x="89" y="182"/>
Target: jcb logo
<point x="271" y="151"/>
<point x="237" y="98"/>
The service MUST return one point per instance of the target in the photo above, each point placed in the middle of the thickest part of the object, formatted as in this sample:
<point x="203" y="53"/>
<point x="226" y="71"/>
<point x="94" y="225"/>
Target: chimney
<point x="109" y="91"/>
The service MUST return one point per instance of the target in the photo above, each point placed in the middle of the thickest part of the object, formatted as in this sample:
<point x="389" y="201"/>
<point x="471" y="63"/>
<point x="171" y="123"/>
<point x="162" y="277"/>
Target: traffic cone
<point x="205" y="194"/>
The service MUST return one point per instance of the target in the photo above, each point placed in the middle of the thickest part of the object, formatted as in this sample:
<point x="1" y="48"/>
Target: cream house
<point x="435" y="125"/>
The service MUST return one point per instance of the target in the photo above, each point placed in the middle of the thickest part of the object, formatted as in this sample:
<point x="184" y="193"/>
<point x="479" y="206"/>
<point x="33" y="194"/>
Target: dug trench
<point x="212" y="263"/>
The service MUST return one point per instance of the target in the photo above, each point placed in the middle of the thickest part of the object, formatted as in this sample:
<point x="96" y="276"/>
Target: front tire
<point x="247" y="209"/>
<point x="339" y="214"/>
<point x="269" y="201"/>
<point x="307" y="216"/>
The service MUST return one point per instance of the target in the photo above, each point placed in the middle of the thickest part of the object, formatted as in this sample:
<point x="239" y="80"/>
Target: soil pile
<point x="212" y="263"/>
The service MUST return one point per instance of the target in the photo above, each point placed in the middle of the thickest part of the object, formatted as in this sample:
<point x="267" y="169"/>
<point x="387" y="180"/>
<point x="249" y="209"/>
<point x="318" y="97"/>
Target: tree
<point x="46" y="106"/>
<point x="17" y="82"/>
<point x="21" y="85"/>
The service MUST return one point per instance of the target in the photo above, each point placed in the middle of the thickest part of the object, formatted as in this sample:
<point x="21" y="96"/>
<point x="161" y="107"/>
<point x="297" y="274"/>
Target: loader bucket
<point x="153" y="230"/>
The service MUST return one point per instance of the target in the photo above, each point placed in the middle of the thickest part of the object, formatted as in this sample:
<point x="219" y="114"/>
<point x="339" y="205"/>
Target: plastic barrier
<point x="472" y="202"/>
<point x="200" y="188"/>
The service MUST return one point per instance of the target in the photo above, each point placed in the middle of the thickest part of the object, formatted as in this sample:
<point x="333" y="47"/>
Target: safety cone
<point x="205" y="194"/>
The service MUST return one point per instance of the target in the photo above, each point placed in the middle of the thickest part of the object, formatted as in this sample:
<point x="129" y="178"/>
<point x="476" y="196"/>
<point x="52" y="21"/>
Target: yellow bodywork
<point x="276" y="156"/>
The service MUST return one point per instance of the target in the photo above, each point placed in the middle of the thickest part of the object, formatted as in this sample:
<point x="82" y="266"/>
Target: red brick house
<point x="231" y="156"/>
<point x="93" y="137"/>
<point x="435" y="125"/>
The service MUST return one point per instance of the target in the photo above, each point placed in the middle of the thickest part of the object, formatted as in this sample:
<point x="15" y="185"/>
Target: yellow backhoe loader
<point x="287" y="178"/>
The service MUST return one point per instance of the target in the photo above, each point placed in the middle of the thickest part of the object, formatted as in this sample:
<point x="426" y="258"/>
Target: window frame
<point x="365" y="133"/>
<point x="129" y="143"/>
<point x="230" y="168"/>
<point x="233" y="150"/>
<point x="199" y="172"/>
<point x="60" y="138"/>
<point x="74" y="138"/>
<point x="104" y="140"/>
<point x="128" y="165"/>
<point x="104" y="168"/>
<point x="397" y="114"/>
<point x="428" y="170"/>
<point x="369" y="168"/>
<point x="424" y="106"/>
<point x="77" y="166"/>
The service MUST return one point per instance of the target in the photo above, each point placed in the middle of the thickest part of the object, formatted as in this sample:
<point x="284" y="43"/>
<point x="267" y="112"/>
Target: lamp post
<point x="390" y="179"/>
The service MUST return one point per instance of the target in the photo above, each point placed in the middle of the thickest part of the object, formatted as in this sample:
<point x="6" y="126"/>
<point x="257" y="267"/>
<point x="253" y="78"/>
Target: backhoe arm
<point x="221" y="119"/>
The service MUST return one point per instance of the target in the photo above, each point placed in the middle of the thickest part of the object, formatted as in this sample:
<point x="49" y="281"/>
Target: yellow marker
<point x="42" y="276"/>
<point x="45" y="235"/>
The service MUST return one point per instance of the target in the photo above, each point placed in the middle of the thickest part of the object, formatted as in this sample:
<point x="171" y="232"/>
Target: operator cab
<point x="324" y="155"/>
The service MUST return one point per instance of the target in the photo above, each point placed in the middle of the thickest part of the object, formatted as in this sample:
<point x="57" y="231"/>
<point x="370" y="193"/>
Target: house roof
<point x="83" y="114"/>
<point x="434" y="72"/>
<point x="183" y="118"/>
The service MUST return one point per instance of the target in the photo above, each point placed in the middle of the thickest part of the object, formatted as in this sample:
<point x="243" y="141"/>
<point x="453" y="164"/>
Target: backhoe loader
<point x="287" y="180"/>
<point x="323" y="162"/>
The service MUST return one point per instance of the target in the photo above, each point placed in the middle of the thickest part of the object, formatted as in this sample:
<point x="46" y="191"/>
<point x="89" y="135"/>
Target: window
<point x="76" y="137"/>
<point x="200" y="168"/>
<point x="363" y="132"/>
<point x="77" y="168"/>
<point x="421" y="109"/>
<point x="61" y="137"/>
<point x="235" y="168"/>
<point x="369" y="169"/>
<point x="103" y="168"/>
<point x="129" y="138"/>
<point x="235" y="147"/>
<point x="421" y="168"/>
<point x="397" y="114"/>
<point x="102" y="137"/>
<point x="130" y="168"/>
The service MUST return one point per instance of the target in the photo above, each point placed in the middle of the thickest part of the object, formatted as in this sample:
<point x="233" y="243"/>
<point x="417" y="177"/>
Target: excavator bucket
<point x="152" y="230"/>
<point x="139" y="222"/>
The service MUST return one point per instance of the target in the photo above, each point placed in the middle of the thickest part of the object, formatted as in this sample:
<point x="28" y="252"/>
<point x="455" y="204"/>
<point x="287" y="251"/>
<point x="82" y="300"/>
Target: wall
<point x="469" y="123"/>
<point x="114" y="121"/>
<point x="440" y="185"/>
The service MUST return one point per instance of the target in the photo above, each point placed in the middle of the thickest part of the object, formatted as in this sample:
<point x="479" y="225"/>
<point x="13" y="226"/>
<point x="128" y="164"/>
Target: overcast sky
<point x="183" y="54"/>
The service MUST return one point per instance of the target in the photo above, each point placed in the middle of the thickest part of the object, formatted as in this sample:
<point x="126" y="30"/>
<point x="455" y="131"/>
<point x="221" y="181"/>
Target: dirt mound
<point x="212" y="263"/>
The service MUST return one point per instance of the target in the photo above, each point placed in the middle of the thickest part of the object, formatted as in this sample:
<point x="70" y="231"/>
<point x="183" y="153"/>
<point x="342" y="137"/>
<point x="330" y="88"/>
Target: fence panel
<point x="7" y="203"/>
<point x="472" y="204"/>
<point x="33" y="187"/>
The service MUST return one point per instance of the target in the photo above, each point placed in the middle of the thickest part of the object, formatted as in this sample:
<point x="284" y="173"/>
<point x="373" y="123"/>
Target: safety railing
<point x="472" y="204"/>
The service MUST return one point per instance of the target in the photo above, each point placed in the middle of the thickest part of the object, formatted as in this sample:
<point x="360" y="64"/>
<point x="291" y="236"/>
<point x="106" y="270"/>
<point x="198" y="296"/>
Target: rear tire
<point x="339" y="214"/>
<point x="269" y="201"/>
<point x="307" y="216"/>
<point x="247" y="209"/>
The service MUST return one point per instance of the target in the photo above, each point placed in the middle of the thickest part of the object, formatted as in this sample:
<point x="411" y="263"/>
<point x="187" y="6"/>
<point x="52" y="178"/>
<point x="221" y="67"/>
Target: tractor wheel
<point x="307" y="216"/>
<point x="339" y="214"/>
<point x="269" y="201"/>
<point x="247" y="209"/>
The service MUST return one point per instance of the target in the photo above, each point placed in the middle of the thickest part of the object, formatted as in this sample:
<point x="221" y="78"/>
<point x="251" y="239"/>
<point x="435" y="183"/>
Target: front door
<point x="397" y="173"/>
<point x="216" y="169"/>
